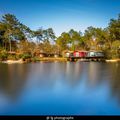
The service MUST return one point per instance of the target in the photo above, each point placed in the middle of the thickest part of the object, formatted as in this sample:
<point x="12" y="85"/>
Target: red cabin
<point x="80" y="54"/>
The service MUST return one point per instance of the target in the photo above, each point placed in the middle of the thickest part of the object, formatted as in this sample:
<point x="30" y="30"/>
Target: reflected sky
<point x="53" y="88"/>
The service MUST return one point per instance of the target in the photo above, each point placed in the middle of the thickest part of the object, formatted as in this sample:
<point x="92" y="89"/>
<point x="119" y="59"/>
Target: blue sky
<point x="62" y="15"/>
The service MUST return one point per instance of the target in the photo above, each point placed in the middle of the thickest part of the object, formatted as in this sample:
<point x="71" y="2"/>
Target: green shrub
<point x="3" y="55"/>
<point x="35" y="59"/>
<point x="12" y="57"/>
<point x="112" y="54"/>
<point x="25" y="56"/>
<point x="115" y="54"/>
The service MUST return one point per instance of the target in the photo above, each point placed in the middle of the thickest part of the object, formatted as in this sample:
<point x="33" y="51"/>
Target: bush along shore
<point x="27" y="58"/>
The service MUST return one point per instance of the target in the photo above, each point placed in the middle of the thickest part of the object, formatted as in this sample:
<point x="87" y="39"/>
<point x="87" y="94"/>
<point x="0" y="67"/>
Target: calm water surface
<point x="81" y="88"/>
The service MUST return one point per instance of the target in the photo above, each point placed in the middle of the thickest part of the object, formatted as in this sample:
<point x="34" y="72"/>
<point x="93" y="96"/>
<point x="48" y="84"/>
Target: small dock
<point x="73" y="59"/>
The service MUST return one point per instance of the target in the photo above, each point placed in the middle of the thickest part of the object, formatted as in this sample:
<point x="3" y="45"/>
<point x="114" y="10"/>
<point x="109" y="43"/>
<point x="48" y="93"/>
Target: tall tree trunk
<point x="10" y="44"/>
<point x="5" y="45"/>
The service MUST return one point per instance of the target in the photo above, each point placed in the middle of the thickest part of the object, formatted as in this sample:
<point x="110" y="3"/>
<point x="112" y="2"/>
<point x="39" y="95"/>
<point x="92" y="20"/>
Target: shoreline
<point x="112" y="60"/>
<point x="20" y="61"/>
<point x="47" y="59"/>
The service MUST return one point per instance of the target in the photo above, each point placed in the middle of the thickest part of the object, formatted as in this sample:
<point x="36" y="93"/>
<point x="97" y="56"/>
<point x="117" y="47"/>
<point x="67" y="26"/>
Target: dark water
<point x="82" y="88"/>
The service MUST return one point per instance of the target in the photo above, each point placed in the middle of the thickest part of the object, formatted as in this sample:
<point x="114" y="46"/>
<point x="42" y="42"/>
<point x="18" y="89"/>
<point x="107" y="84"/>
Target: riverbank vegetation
<point x="18" y="41"/>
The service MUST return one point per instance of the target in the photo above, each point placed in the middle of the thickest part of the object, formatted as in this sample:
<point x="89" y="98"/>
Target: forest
<point x="17" y="38"/>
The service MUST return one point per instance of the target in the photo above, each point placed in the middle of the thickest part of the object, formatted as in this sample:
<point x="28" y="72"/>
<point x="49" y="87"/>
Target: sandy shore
<point x="113" y="60"/>
<point x="13" y="61"/>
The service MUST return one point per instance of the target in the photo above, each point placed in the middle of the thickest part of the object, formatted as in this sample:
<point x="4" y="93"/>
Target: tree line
<point x="17" y="37"/>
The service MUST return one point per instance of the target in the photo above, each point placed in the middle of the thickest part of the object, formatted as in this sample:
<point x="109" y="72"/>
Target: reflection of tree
<point x="115" y="80"/>
<point x="12" y="79"/>
<point x="95" y="73"/>
<point x="59" y="72"/>
<point x="44" y="74"/>
<point x="92" y="71"/>
<point x="73" y="72"/>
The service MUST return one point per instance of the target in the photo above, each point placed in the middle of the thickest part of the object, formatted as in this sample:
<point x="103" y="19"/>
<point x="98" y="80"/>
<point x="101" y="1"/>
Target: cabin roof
<point x="80" y="51"/>
<point x="69" y="51"/>
<point x="94" y="51"/>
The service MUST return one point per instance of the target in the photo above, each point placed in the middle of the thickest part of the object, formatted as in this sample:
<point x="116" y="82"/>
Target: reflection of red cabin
<point x="80" y="54"/>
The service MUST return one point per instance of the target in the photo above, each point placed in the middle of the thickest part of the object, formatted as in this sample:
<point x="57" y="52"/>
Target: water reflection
<point x="73" y="73"/>
<point x="96" y="73"/>
<point x="12" y="79"/>
<point x="114" y="69"/>
<point x="66" y="88"/>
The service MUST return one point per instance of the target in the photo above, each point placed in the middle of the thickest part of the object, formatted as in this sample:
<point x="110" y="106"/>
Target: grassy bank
<point x="44" y="59"/>
<point x="60" y="59"/>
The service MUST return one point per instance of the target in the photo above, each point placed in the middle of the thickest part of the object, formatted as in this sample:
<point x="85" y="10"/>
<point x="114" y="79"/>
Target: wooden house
<point x="95" y="54"/>
<point x="79" y="54"/>
<point x="67" y="53"/>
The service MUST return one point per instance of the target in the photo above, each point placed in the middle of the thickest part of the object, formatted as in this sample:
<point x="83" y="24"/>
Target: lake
<point x="54" y="88"/>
